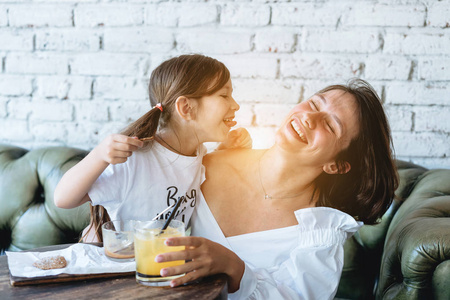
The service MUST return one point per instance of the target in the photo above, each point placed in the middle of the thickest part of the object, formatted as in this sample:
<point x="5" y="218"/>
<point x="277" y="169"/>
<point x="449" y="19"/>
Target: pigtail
<point x="99" y="216"/>
<point x="146" y="125"/>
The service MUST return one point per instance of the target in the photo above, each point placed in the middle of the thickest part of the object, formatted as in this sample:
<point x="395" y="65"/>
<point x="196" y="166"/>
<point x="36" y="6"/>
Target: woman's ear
<point x="332" y="168"/>
<point x="185" y="108"/>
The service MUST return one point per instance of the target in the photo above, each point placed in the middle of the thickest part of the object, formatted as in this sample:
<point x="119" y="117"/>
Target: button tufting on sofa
<point x="28" y="216"/>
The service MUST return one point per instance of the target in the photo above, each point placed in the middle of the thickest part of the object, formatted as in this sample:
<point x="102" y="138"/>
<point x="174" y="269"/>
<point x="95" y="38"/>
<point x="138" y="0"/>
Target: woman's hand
<point x="116" y="148"/>
<point x="239" y="138"/>
<point x="204" y="258"/>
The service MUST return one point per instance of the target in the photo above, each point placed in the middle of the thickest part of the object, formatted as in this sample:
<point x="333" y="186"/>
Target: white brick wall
<point x="39" y="15"/>
<point x="72" y="72"/>
<point x="299" y="13"/>
<point x="108" y="64"/>
<point x="386" y="15"/>
<point x="14" y="85"/>
<point x="245" y="15"/>
<point x="345" y="41"/>
<point x="438" y="14"/>
<point x="143" y="40"/>
<point x="3" y="16"/>
<point x="312" y="66"/>
<point x="107" y="15"/>
<point x="206" y="40"/>
<point x="62" y="40"/>
<point x="16" y="40"/>
<point x="36" y="63"/>
<point x="183" y="14"/>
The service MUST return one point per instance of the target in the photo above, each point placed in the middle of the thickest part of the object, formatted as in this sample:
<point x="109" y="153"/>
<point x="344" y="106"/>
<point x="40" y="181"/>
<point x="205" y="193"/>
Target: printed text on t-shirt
<point x="189" y="199"/>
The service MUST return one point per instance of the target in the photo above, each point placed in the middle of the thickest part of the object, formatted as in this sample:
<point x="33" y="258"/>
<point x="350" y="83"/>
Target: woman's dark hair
<point x="367" y="190"/>
<point x="192" y="76"/>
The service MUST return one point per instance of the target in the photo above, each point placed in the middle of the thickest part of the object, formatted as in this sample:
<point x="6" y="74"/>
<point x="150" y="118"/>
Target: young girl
<point x="192" y="104"/>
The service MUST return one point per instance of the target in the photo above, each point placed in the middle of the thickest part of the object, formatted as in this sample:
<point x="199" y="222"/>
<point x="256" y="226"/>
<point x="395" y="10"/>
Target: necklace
<point x="175" y="150"/>
<point x="268" y="196"/>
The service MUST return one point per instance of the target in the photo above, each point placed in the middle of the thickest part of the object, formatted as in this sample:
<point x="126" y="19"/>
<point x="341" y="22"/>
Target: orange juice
<point x="148" y="243"/>
<point x="147" y="249"/>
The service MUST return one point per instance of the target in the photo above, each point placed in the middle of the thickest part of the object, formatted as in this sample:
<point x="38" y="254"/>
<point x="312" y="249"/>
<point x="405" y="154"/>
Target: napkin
<point x="81" y="259"/>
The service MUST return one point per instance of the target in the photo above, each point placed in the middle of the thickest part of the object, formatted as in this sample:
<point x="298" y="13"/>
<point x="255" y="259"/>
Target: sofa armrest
<point x="415" y="261"/>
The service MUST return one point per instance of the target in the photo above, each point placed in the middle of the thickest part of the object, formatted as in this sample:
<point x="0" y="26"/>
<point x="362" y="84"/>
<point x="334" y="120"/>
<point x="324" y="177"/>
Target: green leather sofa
<point x="406" y="256"/>
<point x="28" y="215"/>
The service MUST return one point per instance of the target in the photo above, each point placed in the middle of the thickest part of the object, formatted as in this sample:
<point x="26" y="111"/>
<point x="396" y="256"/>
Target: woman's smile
<point x="297" y="128"/>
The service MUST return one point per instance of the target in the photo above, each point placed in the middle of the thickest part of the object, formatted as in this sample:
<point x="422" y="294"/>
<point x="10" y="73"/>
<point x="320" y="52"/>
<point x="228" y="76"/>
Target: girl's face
<point x="319" y="128"/>
<point x="215" y="115"/>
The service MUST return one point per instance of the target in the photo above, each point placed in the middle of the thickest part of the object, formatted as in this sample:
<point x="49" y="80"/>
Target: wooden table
<point x="213" y="287"/>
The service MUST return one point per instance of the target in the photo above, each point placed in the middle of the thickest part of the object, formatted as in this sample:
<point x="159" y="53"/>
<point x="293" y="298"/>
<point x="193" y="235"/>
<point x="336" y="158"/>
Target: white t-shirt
<point x="303" y="261"/>
<point x="149" y="182"/>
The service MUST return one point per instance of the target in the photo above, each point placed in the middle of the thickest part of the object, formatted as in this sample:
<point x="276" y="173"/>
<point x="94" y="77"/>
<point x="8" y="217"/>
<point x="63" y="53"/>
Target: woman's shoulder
<point x="233" y="163"/>
<point x="228" y="158"/>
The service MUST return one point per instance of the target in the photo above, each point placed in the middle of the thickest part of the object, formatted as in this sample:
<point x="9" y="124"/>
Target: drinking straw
<point x="172" y="214"/>
<point x="159" y="215"/>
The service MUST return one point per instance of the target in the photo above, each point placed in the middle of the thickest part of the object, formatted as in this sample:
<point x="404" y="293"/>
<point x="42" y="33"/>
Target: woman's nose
<point x="310" y="119"/>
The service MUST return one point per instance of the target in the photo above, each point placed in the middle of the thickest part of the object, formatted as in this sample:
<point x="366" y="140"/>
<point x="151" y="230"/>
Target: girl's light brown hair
<point x="193" y="76"/>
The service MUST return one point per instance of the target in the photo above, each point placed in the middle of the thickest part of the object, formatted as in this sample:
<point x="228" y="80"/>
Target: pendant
<point x="266" y="196"/>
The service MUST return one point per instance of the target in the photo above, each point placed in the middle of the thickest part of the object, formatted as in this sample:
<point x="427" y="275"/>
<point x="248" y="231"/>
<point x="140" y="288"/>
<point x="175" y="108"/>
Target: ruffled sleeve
<point x="313" y="268"/>
<point x="323" y="226"/>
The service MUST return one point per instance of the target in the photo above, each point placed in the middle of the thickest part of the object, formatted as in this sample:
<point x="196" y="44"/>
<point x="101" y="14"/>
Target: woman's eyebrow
<point x="338" y="122"/>
<point x="324" y="100"/>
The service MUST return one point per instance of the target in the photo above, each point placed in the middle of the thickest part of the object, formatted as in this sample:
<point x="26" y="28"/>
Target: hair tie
<point x="159" y="106"/>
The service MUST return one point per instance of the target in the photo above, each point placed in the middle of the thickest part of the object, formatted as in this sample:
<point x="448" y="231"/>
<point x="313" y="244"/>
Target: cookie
<point x="52" y="262"/>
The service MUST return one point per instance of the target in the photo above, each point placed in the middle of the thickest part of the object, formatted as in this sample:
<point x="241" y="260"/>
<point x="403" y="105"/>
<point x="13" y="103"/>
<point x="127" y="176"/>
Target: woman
<point x="275" y="221"/>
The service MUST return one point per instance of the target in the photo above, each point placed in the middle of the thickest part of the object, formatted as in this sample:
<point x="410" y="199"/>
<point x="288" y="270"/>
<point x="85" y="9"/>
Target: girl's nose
<point x="234" y="105"/>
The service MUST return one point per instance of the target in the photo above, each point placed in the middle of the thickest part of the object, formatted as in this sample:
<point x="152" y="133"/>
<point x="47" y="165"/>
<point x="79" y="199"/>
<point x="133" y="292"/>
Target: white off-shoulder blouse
<point x="303" y="261"/>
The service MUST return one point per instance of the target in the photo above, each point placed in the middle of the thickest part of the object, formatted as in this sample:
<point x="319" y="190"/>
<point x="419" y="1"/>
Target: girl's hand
<point x="204" y="258"/>
<point x="116" y="148"/>
<point x="238" y="138"/>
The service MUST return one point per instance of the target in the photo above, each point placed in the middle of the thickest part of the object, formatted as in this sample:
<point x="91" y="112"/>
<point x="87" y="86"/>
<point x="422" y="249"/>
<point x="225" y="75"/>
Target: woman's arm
<point x="308" y="273"/>
<point x="205" y="258"/>
<point x="73" y="187"/>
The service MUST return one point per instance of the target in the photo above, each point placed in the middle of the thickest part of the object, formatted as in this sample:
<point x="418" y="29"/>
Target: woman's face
<point x="319" y="128"/>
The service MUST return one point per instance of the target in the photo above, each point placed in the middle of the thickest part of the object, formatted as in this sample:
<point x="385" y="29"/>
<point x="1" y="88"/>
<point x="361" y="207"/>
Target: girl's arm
<point x="73" y="187"/>
<point x="238" y="138"/>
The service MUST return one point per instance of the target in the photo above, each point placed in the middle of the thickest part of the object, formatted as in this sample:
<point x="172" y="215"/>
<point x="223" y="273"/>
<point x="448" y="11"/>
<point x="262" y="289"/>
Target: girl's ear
<point x="332" y="168"/>
<point x="185" y="108"/>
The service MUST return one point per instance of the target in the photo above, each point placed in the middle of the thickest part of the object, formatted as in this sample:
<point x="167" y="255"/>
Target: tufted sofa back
<point x="28" y="216"/>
